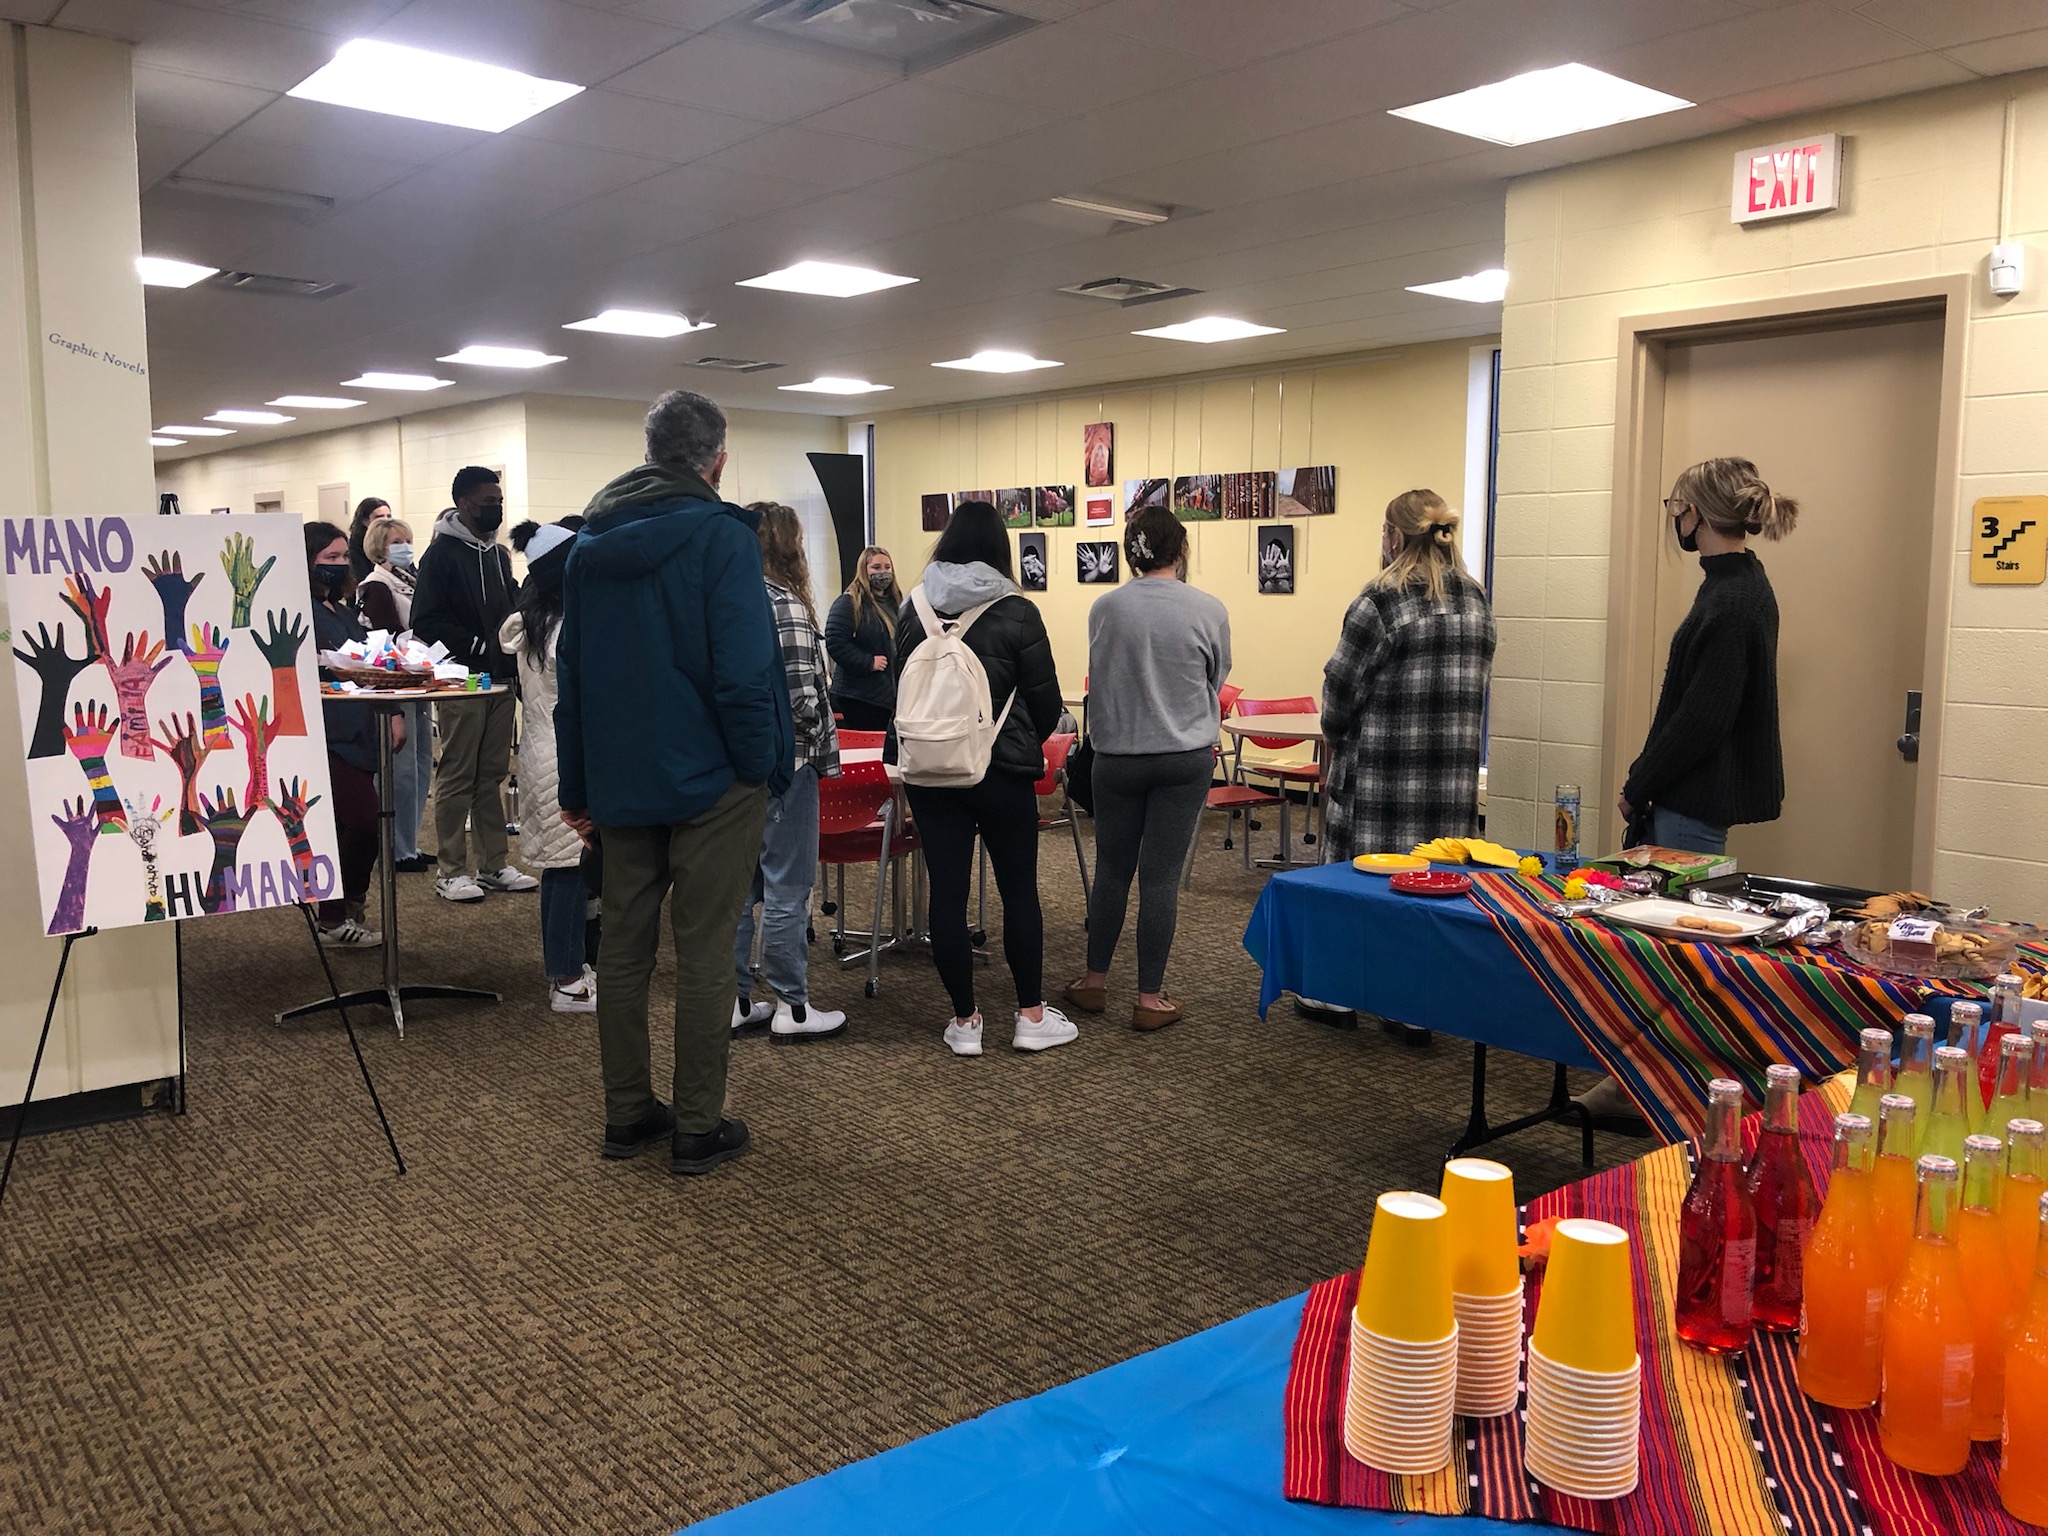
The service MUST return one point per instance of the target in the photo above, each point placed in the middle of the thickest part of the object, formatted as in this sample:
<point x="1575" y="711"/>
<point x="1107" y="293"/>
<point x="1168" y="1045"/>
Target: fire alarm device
<point x="2008" y="269"/>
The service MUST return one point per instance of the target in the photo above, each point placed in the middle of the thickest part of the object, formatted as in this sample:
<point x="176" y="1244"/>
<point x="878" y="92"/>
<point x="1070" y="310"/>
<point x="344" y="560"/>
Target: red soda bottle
<point x="1717" y="1235"/>
<point x="1782" y="1195"/>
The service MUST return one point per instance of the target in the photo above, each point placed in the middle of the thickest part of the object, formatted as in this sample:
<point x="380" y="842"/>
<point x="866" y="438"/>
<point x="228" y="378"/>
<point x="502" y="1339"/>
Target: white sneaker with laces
<point x="508" y="879"/>
<point x="816" y="1024"/>
<point x="753" y="1016"/>
<point x="458" y="888"/>
<point x="964" y="1036"/>
<point x="579" y="996"/>
<point x="350" y="934"/>
<point x="1043" y="1034"/>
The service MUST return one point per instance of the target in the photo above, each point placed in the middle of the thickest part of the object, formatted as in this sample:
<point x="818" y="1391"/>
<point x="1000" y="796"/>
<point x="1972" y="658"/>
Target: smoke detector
<point x="1126" y="291"/>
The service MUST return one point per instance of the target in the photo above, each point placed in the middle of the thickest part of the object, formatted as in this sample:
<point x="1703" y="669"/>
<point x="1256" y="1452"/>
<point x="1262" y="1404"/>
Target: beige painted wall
<point x="1388" y="422"/>
<point x="1650" y="233"/>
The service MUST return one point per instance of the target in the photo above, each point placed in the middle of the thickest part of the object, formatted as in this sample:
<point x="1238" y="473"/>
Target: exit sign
<point x="1781" y="181"/>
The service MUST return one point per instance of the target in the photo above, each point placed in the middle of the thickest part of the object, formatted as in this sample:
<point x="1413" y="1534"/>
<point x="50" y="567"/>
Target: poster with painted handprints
<point x="170" y="715"/>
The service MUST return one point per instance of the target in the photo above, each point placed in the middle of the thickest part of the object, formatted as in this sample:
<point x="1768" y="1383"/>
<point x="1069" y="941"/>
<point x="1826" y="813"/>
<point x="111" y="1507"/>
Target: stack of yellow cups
<point x="1486" y="1285"/>
<point x="1404" y="1341"/>
<point x="1584" y="1432"/>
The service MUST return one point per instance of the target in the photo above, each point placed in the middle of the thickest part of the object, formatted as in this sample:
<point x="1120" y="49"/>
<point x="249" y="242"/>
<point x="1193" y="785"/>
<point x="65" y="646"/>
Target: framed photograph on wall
<point x="1095" y="563"/>
<point x="1098" y="453"/>
<point x="1055" y="506"/>
<point x="938" y="511"/>
<point x="1274" y="548"/>
<point x="1101" y="511"/>
<point x="960" y="496"/>
<point x="1031" y="561"/>
<point x="1307" y="492"/>
<point x="1147" y="493"/>
<point x="1015" y="506"/>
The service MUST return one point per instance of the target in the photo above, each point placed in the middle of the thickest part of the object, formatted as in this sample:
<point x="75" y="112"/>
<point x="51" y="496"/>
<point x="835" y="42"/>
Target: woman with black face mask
<point x="860" y="637"/>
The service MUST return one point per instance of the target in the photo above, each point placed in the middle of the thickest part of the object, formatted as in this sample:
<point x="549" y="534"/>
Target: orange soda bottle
<point x="1980" y="1239"/>
<point x="1873" y="1073"/>
<point x="2023" y="1472"/>
<point x="1950" y="1122"/>
<point x="1891" y="1184"/>
<point x="1841" y="1324"/>
<point x="2026" y="1180"/>
<point x="1915" y="1077"/>
<point x="1929" y="1341"/>
<point x="1781" y="1193"/>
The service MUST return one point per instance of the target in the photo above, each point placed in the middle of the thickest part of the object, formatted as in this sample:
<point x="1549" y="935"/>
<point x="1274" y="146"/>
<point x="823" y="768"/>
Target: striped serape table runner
<point x="1730" y="1447"/>
<point x="1665" y="1018"/>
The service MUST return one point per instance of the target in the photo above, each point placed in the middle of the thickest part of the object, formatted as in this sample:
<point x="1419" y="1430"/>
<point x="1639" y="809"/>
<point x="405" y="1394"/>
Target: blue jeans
<point x="412" y="771"/>
<point x="563" y="904"/>
<point x="782" y="885"/>
<point x="1672" y="829"/>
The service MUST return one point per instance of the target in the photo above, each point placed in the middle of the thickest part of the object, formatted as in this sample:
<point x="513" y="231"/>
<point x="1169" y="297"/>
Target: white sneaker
<point x="580" y="996"/>
<point x="1054" y="1029"/>
<point x="965" y="1039"/>
<point x="817" y="1024"/>
<point x="458" y="888"/>
<point x="753" y="1016"/>
<point x="508" y="879"/>
<point x="350" y="934"/>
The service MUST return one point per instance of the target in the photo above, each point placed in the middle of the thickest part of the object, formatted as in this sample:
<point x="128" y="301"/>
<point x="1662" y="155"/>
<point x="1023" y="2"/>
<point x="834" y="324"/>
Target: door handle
<point x="1909" y="740"/>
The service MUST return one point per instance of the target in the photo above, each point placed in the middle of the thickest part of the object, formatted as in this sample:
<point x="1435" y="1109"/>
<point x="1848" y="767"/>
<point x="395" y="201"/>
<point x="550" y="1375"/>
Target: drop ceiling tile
<point x="1763" y="49"/>
<point x="1944" y="23"/>
<point x="432" y="202"/>
<point x="217" y="44"/>
<point x="338" y="173"/>
<point x="821" y="159"/>
<point x="194" y="103"/>
<point x="35" y="13"/>
<point x="771" y="83"/>
<point x="570" y="165"/>
<point x="339" y="19"/>
<point x="684" y="15"/>
<point x="930" y="117"/>
<point x="723" y="197"/>
<point x="1894" y="77"/>
<point x="1545" y="32"/>
<point x="1229" y="32"/>
<point x="2023" y="50"/>
<point x="542" y="37"/>
<point x="159" y="151"/>
<point x="661" y="130"/>
<point x="331" y="129"/>
<point x="1074" y="66"/>
<point x="1331" y="153"/>
<point x="955" y="187"/>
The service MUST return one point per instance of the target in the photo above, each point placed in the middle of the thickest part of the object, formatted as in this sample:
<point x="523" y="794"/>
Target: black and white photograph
<point x="1095" y="563"/>
<point x="1275" y="550"/>
<point x="1031" y="566"/>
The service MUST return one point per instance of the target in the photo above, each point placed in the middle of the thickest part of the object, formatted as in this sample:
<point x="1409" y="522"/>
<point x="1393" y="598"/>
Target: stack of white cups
<point x="1585" y="1377"/>
<point x="1404" y="1342"/>
<point x="1486" y="1285"/>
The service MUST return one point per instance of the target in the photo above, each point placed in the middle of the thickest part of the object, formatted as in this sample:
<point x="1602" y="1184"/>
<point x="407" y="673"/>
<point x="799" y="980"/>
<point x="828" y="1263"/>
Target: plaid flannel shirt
<point x="810" y="703"/>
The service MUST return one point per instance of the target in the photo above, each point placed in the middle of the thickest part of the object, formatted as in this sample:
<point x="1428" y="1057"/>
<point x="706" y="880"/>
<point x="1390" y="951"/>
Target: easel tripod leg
<point x="313" y="933"/>
<point x="36" y="1066"/>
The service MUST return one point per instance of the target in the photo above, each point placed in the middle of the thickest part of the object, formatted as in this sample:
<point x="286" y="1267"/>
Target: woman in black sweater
<point x="860" y="637"/>
<point x="1713" y="759"/>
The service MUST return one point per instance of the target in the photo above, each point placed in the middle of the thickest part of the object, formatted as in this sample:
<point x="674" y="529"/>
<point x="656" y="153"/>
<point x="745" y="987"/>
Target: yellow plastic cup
<point x="1586" y="1317"/>
<point x="1404" y="1291"/>
<point x="1479" y="1198"/>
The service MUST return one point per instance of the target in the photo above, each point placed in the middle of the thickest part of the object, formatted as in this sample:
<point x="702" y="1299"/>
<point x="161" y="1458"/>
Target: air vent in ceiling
<point x="911" y="35"/>
<point x="266" y="286"/>
<point x="1127" y="291"/>
<point x="734" y="364"/>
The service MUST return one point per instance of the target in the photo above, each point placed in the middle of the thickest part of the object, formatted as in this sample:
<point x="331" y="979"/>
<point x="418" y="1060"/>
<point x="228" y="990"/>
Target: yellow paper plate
<point x="1492" y="854"/>
<point x="1388" y="863"/>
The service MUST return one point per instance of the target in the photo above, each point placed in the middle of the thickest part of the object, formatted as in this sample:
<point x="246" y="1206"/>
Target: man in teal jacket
<point x="673" y="728"/>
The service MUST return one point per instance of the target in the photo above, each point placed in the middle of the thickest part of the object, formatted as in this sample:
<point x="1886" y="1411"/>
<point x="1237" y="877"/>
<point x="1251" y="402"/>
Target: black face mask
<point x="330" y="579"/>
<point x="1689" y="542"/>
<point x="488" y="518"/>
<point x="879" y="585"/>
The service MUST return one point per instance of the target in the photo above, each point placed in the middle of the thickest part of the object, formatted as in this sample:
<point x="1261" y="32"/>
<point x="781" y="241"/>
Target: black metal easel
<point x="36" y="1066"/>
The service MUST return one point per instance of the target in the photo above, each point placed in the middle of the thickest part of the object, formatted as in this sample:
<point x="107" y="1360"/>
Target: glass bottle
<point x="1841" y="1326"/>
<point x="2023" y="1470"/>
<point x="1873" y="1072"/>
<point x="2006" y="993"/>
<point x="1968" y="1031"/>
<point x="1717" y="1235"/>
<point x="2009" y="1088"/>
<point x="1987" y="1282"/>
<point x="2026" y="1181"/>
<point x="1929" y="1343"/>
<point x="1780" y="1190"/>
<point x="1891" y="1184"/>
<point x="1950" y="1123"/>
<point x="1915" y="1077"/>
<point x="1567" y="838"/>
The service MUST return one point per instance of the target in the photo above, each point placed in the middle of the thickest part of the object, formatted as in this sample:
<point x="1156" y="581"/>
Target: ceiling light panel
<point x="1211" y="328"/>
<point x="830" y="384"/>
<point x="1129" y="213"/>
<point x="1488" y="287"/>
<point x="165" y="442"/>
<point x="413" y="381"/>
<point x="164" y="272"/>
<point x="195" y="432"/>
<point x="430" y="87"/>
<point x="502" y="357"/>
<point x="1543" y="104"/>
<point x="316" y="402"/>
<point x="994" y="360"/>
<point x="829" y="279"/>
<point x="639" y="322"/>
<point x="252" y="418"/>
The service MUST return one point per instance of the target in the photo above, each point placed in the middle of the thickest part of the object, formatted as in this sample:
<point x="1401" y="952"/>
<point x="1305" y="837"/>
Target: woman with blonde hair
<point x="1713" y="757"/>
<point x="385" y="597"/>
<point x="789" y="843"/>
<point x="860" y="636"/>
<point x="1404" y="696"/>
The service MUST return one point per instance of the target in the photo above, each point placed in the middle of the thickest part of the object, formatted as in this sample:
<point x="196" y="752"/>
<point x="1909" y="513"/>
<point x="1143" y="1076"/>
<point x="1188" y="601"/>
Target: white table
<point x="1295" y="728"/>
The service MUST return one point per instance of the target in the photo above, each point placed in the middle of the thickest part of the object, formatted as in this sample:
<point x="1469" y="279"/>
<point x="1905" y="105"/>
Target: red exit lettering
<point x="1784" y="179"/>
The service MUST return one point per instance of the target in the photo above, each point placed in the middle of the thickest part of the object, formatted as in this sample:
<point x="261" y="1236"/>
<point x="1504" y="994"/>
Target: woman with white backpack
<point x="971" y="715"/>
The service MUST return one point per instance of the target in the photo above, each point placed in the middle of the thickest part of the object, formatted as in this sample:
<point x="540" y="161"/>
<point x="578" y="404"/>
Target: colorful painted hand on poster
<point x="126" y="668"/>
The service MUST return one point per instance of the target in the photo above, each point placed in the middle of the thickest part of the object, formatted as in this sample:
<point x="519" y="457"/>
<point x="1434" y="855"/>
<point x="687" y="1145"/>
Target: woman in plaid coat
<point x="1404" y="697"/>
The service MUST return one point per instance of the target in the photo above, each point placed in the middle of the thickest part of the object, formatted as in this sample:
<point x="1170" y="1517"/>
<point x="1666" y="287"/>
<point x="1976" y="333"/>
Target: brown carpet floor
<point x="242" y="1321"/>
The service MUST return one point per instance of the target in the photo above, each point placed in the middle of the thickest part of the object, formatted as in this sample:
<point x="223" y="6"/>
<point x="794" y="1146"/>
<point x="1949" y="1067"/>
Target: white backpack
<point x="946" y="724"/>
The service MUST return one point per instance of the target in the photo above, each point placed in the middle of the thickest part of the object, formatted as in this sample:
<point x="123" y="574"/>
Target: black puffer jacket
<point x="1014" y="649"/>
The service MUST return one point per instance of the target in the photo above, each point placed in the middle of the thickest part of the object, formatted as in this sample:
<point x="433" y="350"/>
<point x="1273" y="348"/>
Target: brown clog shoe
<point x="1087" y="999"/>
<point x="1148" y="1019"/>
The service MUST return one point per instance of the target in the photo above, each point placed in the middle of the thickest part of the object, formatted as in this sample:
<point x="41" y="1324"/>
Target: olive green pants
<point x="708" y="861"/>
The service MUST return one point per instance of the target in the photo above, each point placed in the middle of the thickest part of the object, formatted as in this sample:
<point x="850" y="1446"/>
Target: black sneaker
<point x="632" y="1140"/>
<point x="704" y="1152"/>
<point x="418" y="864"/>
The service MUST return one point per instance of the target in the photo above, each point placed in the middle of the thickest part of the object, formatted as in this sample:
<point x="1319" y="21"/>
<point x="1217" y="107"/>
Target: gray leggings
<point x="1146" y="807"/>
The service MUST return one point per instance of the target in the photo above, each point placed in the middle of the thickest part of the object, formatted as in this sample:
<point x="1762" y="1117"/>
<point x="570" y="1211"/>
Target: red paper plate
<point x="1432" y="882"/>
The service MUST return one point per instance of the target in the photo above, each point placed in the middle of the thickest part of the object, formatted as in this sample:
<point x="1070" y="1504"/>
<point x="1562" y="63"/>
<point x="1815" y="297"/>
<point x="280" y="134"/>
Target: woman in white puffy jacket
<point x="528" y="635"/>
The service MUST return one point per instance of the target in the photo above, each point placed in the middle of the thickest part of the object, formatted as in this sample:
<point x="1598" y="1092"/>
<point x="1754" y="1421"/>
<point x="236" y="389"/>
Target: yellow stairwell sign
<point x="2009" y="541"/>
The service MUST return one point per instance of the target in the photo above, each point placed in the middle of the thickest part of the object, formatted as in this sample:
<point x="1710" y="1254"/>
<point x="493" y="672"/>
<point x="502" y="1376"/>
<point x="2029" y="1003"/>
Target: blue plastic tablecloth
<point x="1339" y="936"/>
<point x="1181" y="1441"/>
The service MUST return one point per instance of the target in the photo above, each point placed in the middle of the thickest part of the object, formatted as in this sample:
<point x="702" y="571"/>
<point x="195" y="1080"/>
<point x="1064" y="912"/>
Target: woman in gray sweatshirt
<point x="1158" y="651"/>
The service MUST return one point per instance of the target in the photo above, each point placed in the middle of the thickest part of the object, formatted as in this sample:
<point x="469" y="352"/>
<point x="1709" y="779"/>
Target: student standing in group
<point x="860" y="636"/>
<point x="673" y="732"/>
<point x="971" y="576"/>
<point x="371" y="509"/>
<point x="385" y="597"/>
<point x="529" y="636"/>
<point x="351" y="746"/>
<point x="1158" y="651"/>
<point x="789" y="844"/>
<point x="461" y="600"/>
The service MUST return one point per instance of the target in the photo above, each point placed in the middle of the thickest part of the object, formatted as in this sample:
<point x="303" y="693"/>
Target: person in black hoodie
<point x="971" y="567"/>
<point x="860" y="637"/>
<point x="464" y="592"/>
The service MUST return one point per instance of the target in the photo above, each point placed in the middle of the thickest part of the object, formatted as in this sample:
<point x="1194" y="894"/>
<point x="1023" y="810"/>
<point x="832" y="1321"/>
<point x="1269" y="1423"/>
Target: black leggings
<point x="355" y="836"/>
<point x="860" y="715"/>
<point x="1003" y="809"/>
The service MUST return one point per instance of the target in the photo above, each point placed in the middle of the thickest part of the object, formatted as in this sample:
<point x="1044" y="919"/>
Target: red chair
<point x="1057" y="747"/>
<point x="1284" y="775"/>
<point x="1230" y="797"/>
<point x="857" y="824"/>
<point x="862" y="741"/>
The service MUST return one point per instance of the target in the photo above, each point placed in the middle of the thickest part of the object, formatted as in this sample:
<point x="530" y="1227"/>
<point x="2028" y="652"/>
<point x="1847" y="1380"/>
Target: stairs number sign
<point x="2009" y="541"/>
